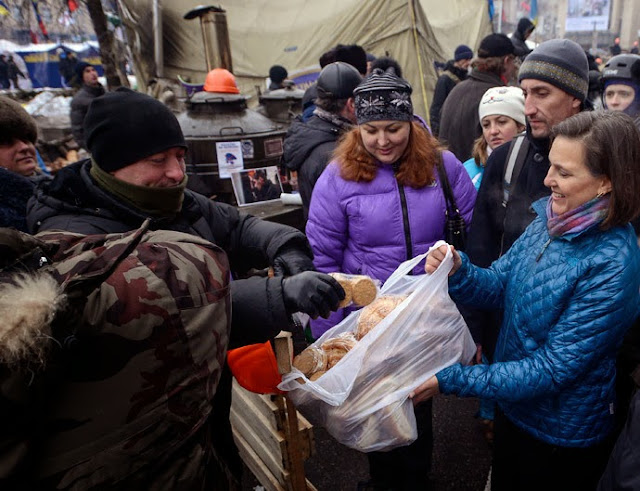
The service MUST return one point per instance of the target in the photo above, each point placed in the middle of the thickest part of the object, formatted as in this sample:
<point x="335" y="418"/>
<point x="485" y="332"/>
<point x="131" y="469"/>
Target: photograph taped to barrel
<point x="253" y="186"/>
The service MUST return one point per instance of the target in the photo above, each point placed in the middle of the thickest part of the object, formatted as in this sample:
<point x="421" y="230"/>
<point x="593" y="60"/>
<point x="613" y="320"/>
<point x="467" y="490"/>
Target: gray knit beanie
<point x="560" y="62"/>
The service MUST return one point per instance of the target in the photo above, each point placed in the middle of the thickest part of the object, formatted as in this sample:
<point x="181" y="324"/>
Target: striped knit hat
<point x="560" y="62"/>
<point x="383" y="96"/>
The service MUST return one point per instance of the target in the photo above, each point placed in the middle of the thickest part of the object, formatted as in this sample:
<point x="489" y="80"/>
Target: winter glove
<point x="312" y="293"/>
<point x="292" y="260"/>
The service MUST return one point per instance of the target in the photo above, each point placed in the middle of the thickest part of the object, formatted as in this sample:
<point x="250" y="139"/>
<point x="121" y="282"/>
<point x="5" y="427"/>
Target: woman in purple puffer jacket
<point x="376" y="205"/>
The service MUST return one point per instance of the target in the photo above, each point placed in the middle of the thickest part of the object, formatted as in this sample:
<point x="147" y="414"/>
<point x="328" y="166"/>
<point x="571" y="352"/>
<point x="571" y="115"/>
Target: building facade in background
<point x="592" y="23"/>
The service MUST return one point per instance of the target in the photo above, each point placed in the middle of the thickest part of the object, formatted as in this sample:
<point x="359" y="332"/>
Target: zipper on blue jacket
<point x="405" y="213"/>
<point x="544" y="248"/>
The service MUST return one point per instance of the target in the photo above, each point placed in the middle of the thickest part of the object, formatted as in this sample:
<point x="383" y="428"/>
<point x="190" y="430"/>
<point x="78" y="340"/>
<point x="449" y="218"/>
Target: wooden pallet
<point x="274" y="439"/>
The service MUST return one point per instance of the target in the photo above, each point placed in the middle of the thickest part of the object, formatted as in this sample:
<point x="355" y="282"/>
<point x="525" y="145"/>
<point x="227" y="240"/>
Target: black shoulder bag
<point x="455" y="230"/>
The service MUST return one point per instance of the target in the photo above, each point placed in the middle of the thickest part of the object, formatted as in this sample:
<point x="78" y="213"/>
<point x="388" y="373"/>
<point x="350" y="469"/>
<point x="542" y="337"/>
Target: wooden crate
<point x="273" y="438"/>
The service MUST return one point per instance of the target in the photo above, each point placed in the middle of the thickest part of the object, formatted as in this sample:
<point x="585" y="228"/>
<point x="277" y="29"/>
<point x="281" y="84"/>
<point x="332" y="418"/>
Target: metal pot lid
<point x="216" y="98"/>
<point x="282" y="94"/>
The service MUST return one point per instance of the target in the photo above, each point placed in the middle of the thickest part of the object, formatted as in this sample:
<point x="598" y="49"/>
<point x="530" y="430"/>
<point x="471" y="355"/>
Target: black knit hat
<point x="560" y="62"/>
<point x="16" y="123"/>
<point x="495" y="45"/>
<point x="462" y="52"/>
<point x="80" y="70"/>
<point x="125" y="126"/>
<point x="383" y="96"/>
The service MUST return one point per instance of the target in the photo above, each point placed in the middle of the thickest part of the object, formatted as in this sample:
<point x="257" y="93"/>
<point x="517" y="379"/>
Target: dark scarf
<point x="150" y="200"/>
<point x="579" y="219"/>
<point x="334" y="119"/>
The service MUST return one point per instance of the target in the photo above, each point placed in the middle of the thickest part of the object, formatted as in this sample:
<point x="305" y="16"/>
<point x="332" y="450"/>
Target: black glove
<point x="291" y="260"/>
<point x="312" y="293"/>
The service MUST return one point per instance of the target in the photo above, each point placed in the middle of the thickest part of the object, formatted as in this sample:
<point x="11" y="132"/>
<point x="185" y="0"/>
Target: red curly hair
<point x="417" y="164"/>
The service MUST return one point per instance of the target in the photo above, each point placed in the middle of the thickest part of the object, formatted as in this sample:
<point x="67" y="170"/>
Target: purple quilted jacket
<point x="371" y="227"/>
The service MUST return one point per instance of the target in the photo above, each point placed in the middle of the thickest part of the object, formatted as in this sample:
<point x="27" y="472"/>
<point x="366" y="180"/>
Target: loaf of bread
<point x="359" y="289"/>
<point x="346" y="286"/>
<point x="310" y="361"/>
<point x="317" y="375"/>
<point x="336" y="348"/>
<point x="372" y="314"/>
<point x="363" y="290"/>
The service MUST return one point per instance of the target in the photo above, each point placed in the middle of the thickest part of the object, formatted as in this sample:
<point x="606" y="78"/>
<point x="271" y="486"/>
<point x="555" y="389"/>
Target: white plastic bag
<point x="363" y="400"/>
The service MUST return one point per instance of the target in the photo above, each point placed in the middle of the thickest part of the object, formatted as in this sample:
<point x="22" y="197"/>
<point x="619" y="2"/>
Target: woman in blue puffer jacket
<point x="376" y="205"/>
<point x="569" y="289"/>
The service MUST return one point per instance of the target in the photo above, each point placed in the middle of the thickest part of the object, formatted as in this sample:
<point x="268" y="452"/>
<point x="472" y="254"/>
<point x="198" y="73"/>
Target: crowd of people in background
<point x="548" y="191"/>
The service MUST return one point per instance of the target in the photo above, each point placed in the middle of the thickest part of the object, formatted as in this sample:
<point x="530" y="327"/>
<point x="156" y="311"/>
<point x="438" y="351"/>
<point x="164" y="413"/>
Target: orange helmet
<point x="221" y="80"/>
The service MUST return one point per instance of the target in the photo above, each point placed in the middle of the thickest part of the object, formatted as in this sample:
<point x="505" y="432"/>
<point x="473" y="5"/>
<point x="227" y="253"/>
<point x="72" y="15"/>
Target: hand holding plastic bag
<point x="363" y="400"/>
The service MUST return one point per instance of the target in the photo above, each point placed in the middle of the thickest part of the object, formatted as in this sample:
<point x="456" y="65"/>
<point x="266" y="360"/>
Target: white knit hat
<point x="506" y="101"/>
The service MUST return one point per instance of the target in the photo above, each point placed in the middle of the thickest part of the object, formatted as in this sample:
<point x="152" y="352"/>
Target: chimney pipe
<point x="215" y="36"/>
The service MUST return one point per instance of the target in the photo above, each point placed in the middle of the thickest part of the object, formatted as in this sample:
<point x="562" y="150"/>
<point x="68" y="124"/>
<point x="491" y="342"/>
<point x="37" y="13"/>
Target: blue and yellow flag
<point x="4" y="10"/>
<point x="534" y="12"/>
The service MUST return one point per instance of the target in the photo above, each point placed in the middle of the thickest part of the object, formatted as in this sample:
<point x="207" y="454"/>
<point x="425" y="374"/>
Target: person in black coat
<point x="308" y="146"/>
<point x="4" y="73"/>
<point x="455" y="71"/>
<point x="519" y="37"/>
<point x="138" y="173"/>
<point x="90" y="89"/>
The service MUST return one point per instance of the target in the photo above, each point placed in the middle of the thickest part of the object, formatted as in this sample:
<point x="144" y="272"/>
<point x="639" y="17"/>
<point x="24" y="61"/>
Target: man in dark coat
<point x="459" y="123"/>
<point x="4" y="73"/>
<point x="455" y="71"/>
<point x="308" y="146"/>
<point x="555" y="80"/>
<point x="137" y="174"/>
<point x="90" y="89"/>
<point x="67" y="68"/>
<point x="14" y="72"/>
<point x="518" y="38"/>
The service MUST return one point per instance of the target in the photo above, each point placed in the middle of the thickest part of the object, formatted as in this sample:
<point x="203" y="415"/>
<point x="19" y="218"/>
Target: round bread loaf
<point x="363" y="290"/>
<point x="345" y="283"/>
<point x="317" y="375"/>
<point x="345" y="341"/>
<point x="310" y="361"/>
<point x="336" y="348"/>
<point x="372" y="314"/>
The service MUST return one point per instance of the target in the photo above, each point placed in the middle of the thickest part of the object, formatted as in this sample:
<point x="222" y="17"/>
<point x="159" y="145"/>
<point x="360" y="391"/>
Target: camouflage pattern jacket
<point x="110" y="357"/>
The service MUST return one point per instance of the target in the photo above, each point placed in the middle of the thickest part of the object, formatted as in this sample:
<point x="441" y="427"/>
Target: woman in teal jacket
<point x="569" y="289"/>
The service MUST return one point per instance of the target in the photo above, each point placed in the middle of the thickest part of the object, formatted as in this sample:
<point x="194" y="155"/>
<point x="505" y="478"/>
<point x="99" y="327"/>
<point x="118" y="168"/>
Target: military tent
<point x="294" y="33"/>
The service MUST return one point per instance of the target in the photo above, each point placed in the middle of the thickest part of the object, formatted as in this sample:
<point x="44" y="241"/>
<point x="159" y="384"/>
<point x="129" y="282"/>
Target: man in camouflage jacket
<point x="137" y="174"/>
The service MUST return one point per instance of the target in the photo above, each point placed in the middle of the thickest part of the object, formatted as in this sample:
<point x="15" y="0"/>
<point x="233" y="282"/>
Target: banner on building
<point x="588" y="15"/>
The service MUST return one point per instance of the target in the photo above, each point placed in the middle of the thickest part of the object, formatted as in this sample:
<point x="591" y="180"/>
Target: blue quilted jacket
<point x="568" y="302"/>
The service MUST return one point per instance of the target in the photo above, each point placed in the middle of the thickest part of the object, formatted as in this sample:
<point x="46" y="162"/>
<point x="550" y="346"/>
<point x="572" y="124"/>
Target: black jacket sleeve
<point x="250" y="242"/>
<point x="258" y="310"/>
<point x="444" y="85"/>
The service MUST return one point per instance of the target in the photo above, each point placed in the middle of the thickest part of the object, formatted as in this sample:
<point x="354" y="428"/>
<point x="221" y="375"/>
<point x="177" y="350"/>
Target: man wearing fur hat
<point x="308" y="145"/>
<point x="137" y="175"/>
<point x="459" y="123"/>
<point x="90" y="88"/>
<point x="555" y="81"/>
<point x="18" y="136"/>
